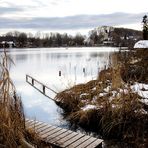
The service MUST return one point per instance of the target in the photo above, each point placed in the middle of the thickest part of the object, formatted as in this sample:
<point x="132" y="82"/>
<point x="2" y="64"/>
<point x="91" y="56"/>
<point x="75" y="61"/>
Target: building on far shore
<point x="7" y="44"/>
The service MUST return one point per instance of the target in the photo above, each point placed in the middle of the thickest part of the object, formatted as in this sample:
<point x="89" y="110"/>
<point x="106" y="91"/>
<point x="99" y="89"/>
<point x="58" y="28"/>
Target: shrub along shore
<point x="115" y="104"/>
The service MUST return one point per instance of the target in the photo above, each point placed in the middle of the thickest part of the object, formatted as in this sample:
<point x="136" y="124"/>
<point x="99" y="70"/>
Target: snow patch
<point x="107" y="89"/>
<point x="88" y="107"/>
<point x="141" y="89"/>
<point x="141" y="44"/>
<point x="84" y="94"/>
<point x="102" y="94"/>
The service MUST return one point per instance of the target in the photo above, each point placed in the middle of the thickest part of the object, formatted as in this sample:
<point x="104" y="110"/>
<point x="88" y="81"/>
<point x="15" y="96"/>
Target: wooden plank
<point x="48" y="135"/>
<point x="86" y="143"/>
<point x="78" y="142"/>
<point x="27" y="120"/>
<point x="44" y="134"/>
<point x="41" y="130"/>
<point x="63" y="140"/>
<point x="30" y="122"/>
<point x="47" y="130"/>
<point x="52" y="132"/>
<point x="27" y="123"/>
<point x="72" y="140"/>
<point x="41" y="126"/>
<point x="97" y="142"/>
<point x="34" y="125"/>
<point x="31" y="125"/>
<point x="57" y="134"/>
<point x="60" y="136"/>
<point x="57" y="131"/>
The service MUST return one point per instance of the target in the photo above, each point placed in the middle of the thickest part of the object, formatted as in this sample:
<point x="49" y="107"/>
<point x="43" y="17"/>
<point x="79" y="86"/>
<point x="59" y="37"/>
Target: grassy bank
<point x="115" y="104"/>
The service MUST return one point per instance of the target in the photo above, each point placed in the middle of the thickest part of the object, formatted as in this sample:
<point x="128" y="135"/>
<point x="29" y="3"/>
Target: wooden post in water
<point x="59" y="73"/>
<point x="83" y="70"/>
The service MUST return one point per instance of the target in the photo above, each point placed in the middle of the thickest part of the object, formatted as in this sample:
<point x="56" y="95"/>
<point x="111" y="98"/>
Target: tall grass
<point x="13" y="132"/>
<point x="119" y="113"/>
<point x="12" y="121"/>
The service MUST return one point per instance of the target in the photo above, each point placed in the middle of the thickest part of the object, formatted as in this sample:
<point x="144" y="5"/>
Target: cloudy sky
<point x="70" y="15"/>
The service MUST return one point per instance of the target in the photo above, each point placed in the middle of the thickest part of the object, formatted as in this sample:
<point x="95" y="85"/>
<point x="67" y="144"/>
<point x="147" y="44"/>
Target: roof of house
<point x="141" y="44"/>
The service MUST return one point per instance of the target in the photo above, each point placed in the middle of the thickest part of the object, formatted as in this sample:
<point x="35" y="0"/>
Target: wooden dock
<point x="63" y="138"/>
<point x="40" y="86"/>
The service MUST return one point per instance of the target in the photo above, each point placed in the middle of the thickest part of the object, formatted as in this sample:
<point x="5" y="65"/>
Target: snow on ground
<point x="107" y="89"/>
<point x="88" y="107"/>
<point x="145" y="101"/>
<point x="141" y="44"/>
<point x="141" y="89"/>
<point x="102" y="94"/>
<point x="84" y="94"/>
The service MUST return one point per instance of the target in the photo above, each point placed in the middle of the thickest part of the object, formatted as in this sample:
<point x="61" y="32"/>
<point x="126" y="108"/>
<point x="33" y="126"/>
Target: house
<point x="108" y="43"/>
<point x="7" y="44"/>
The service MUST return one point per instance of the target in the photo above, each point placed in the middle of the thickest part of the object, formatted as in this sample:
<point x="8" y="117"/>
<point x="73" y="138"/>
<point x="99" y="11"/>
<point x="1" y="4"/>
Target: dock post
<point x="44" y="89"/>
<point x="33" y="82"/>
<point x="59" y="73"/>
<point x="26" y="78"/>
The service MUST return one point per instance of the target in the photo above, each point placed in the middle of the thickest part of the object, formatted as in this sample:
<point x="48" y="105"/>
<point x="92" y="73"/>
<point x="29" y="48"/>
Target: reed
<point x="118" y="113"/>
<point x="13" y="132"/>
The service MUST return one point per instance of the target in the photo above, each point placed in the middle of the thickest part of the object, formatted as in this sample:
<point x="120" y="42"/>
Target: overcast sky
<point x="70" y="15"/>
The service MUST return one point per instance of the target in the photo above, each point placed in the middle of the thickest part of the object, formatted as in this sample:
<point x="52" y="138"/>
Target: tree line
<point x="22" y="39"/>
<point x="118" y="36"/>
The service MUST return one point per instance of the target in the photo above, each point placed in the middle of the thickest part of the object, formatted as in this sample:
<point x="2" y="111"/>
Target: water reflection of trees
<point x="63" y="55"/>
<point x="21" y="57"/>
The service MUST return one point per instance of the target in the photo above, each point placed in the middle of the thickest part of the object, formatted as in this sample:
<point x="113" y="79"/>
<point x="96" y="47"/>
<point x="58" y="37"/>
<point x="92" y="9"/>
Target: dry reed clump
<point x="124" y="117"/>
<point x="119" y="111"/>
<point x="12" y="121"/>
<point x="134" y="65"/>
<point x="13" y="133"/>
<point x="70" y="99"/>
<point x="85" y="119"/>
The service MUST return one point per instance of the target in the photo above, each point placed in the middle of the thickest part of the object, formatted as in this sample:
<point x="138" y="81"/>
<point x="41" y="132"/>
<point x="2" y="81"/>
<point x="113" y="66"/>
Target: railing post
<point x="26" y="78"/>
<point x="44" y="89"/>
<point x="32" y="81"/>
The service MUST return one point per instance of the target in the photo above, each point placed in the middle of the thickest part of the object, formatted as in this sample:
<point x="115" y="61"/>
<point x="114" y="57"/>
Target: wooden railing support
<point x="44" y="87"/>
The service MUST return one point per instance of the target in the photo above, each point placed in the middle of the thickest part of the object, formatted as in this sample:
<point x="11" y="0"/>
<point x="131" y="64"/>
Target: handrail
<point x="44" y="87"/>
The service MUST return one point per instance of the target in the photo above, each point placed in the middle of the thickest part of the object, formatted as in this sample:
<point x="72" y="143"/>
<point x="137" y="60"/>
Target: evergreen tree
<point x="145" y="27"/>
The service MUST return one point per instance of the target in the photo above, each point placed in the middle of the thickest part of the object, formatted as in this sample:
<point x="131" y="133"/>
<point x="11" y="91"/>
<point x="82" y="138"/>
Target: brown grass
<point x="119" y="113"/>
<point x="13" y="132"/>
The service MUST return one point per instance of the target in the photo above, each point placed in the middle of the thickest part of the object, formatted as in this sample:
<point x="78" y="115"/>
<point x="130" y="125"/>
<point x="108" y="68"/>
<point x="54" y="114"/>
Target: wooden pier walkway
<point x="63" y="138"/>
<point x="39" y="86"/>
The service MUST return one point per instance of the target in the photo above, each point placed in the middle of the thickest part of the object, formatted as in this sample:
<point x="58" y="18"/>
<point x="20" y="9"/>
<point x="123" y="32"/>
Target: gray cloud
<point x="71" y="22"/>
<point x="7" y="10"/>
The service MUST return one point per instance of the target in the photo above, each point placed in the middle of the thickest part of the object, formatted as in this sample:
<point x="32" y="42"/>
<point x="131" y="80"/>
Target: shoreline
<point x="102" y="101"/>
